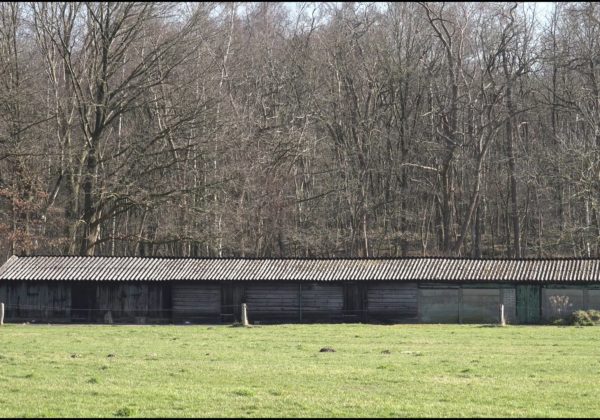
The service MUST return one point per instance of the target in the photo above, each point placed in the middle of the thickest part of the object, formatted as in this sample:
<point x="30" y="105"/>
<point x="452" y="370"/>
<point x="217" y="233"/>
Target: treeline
<point x="300" y="130"/>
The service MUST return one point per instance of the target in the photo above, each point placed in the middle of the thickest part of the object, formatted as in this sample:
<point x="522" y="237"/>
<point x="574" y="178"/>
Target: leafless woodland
<point x="300" y="130"/>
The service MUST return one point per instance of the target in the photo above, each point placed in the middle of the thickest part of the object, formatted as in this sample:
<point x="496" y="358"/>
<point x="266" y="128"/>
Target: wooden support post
<point x="502" y="319"/>
<point x="1" y="313"/>
<point x="244" y="315"/>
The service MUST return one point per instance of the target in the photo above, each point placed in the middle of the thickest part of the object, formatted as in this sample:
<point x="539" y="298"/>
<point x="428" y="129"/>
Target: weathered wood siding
<point x="132" y="302"/>
<point x="36" y="301"/>
<point x="293" y="301"/>
<point x="272" y="302"/>
<point x="196" y="301"/>
<point x="321" y="301"/>
<point x="392" y="302"/>
<point x="52" y="301"/>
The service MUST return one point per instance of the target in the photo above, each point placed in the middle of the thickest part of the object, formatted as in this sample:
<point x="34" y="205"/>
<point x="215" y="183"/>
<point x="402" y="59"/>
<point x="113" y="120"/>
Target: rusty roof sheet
<point x="401" y="269"/>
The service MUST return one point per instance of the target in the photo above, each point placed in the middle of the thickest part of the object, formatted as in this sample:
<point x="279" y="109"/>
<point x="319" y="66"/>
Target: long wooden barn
<point x="211" y="290"/>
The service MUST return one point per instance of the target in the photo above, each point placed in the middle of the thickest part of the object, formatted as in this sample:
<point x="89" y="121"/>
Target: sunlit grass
<point x="271" y="371"/>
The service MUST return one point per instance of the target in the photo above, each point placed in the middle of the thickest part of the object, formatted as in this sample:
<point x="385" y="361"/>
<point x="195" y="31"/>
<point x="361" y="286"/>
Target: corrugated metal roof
<point x="401" y="269"/>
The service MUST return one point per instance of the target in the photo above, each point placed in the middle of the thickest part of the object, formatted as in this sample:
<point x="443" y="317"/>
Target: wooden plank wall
<point x="140" y="302"/>
<point x="321" y="302"/>
<point x="392" y="302"/>
<point x="272" y="302"/>
<point x="132" y="302"/>
<point x="36" y="301"/>
<point x="196" y="301"/>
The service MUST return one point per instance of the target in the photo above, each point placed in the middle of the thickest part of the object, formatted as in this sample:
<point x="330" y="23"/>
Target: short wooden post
<point x="244" y="315"/>
<point x="502" y="319"/>
<point x="1" y="313"/>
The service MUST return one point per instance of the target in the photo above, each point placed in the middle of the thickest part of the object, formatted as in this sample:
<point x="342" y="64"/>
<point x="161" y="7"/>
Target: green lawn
<point x="269" y="371"/>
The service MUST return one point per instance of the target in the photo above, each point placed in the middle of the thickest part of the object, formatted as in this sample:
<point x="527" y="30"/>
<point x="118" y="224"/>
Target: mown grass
<point x="271" y="371"/>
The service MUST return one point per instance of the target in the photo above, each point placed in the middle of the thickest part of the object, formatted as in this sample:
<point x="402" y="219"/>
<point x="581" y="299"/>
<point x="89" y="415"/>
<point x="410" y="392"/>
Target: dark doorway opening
<point x="232" y="297"/>
<point x="83" y="302"/>
<point x="355" y="298"/>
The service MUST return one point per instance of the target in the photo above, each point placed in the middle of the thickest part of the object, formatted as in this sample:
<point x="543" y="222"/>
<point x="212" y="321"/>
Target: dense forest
<point x="300" y="130"/>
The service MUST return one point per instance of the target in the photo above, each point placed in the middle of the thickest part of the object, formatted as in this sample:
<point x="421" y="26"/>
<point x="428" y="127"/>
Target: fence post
<point x="502" y="319"/>
<point x="2" y="313"/>
<point x="244" y="315"/>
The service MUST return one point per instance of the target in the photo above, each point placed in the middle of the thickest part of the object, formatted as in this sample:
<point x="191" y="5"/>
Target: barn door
<point x="528" y="304"/>
<point x="232" y="296"/>
<point x="355" y="300"/>
<point x="227" y="307"/>
<point x="83" y="302"/>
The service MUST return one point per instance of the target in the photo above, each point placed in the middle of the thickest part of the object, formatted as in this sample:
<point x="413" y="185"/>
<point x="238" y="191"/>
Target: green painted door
<point x="528" y="304"/>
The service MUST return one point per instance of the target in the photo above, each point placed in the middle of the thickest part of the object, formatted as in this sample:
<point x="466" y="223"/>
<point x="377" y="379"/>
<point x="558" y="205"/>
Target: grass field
<point x="269" y="371"/>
